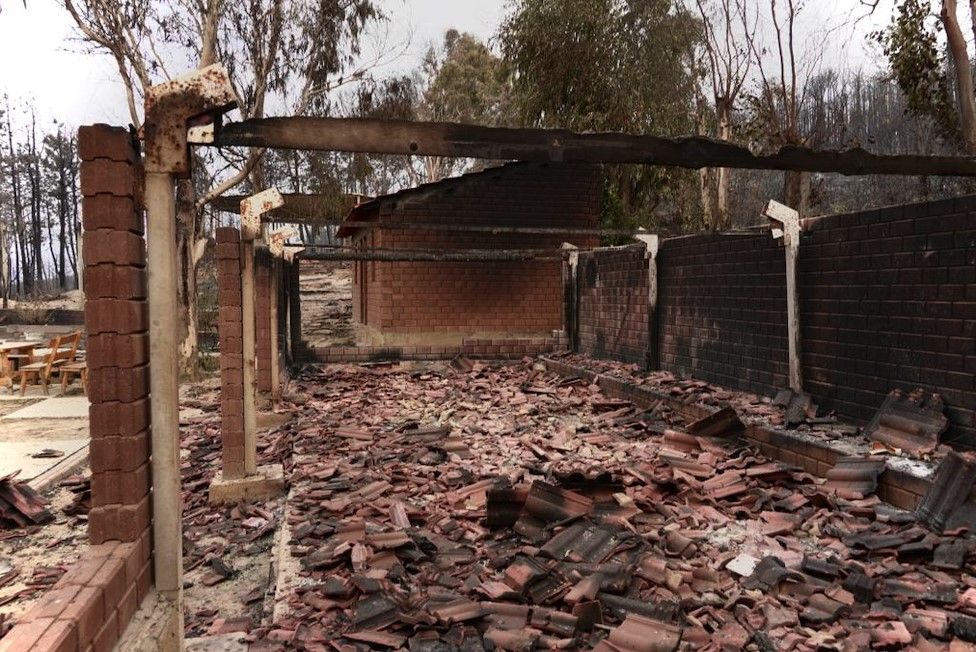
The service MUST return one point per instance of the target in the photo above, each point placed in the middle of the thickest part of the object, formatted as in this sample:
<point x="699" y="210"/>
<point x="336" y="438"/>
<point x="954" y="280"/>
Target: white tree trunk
<point x="964" y="75"/>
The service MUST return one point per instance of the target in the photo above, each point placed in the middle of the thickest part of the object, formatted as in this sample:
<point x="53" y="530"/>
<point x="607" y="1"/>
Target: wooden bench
<point x="53" y="357"/>
<point x="71" y="369"/>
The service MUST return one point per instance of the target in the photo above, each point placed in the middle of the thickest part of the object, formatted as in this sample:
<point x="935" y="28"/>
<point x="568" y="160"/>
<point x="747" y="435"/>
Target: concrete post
<point x="164" y="382"/>
<point x="785" y="223"/>
<point x="570" y="295"/>
<point x="652" y="243"/>
<point x="275" y="345"/>
<point x="252" y="209"/>
<point x="247" y="341"/>
<point x="169" y="107"/>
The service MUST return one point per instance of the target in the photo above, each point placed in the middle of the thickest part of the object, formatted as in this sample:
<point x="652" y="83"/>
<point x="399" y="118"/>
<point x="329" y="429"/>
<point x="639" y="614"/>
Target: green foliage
<point x="465" y="81"/>
<point x="607" y="65"/>
<point x="918" y="65"/>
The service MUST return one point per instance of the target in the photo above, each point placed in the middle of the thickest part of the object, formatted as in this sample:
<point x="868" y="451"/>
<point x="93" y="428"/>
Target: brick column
<point x="229" y="328"/>
<point x="262" y="317"/>
<point x="90" y="606"/>
<point x="116" y="318"/>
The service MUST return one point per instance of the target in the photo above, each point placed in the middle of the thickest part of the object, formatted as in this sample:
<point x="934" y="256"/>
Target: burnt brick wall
<point x="230" y="331"/>
<point x="90" y="606"/>
<point x="722" y="310"/>
<point x="480" y="297"/>
<point x="888" y="300"/>
<point x="612" y="311"/>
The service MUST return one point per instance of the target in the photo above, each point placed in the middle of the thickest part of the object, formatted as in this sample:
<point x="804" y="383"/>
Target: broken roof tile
<point x="457" y="611"/>
<point x="949" y="489"/>
<point x="641" y="634"/>
<point x="723" y="423"/>
<point x="547" y="504"/>
<point x="821" y="609"/>
<point x="854" y="477"/>
<point x="912" y="422"/>
<point x="583" y="541"/>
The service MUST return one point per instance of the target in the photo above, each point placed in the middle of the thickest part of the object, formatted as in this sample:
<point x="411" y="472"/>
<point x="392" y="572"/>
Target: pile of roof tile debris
<point x="20" y="505"/>
<point x="509" y="508"/>
<point x="218" y="540"/>
<point x="907" y="423"/>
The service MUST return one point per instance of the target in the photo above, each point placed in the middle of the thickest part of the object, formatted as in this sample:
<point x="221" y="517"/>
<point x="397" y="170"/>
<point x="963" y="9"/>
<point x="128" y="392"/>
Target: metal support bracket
<point x="170" y="106"/>
<point x="277" y="239"/>
<point x="253" y="207"/>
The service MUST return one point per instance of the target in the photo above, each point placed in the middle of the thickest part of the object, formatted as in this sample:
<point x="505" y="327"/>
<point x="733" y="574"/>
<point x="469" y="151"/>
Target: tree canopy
<point x="610" y="65"/>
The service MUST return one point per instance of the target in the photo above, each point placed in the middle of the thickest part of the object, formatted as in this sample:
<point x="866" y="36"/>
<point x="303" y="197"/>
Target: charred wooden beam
<point x="481" y="228"/>
<point x="447" y="256"/>
<point x="543" y="145"/>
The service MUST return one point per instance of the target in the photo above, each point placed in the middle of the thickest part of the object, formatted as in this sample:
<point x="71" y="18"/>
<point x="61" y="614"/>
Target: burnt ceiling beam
<point x="543" y="145"/>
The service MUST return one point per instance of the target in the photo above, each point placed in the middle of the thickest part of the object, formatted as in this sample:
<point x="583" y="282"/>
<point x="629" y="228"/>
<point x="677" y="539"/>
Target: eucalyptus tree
<point x="282" y="55"/>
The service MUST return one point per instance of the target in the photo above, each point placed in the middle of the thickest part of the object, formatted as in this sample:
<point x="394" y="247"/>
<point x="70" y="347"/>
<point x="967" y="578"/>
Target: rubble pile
<point x="219" y="540"/>
<point x="510" y="508"/>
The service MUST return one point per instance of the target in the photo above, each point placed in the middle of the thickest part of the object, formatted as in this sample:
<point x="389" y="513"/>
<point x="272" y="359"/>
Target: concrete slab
<point x="269" y="481"/>
<point x="16" y="455"/>
<point x="287" y="567"/>
<point x="157" y="626"/>
<point x="67" y="407"/>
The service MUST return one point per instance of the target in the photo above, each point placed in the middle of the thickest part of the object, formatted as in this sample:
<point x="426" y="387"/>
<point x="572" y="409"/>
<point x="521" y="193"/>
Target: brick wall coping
<point x="928" y="208"/>
<point x="902" y="484"/>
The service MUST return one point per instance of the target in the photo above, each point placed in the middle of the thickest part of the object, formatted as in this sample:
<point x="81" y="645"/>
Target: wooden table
<point x="6" y="364"/>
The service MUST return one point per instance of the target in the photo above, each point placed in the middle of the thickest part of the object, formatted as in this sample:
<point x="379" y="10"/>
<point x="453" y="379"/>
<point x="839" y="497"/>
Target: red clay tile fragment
<point x="912" y="422"/>
<point x="641" y="634"/>
<point x="457" y="611"/>
<point x="546" y="504"/>
<point x="821" y="609"/>
<point x="890" y="634"/>
<point x="723" y="423"/>
<point x="951" y="486"/>
<point x="383" y="639"/>
<point x="854" y="477"/>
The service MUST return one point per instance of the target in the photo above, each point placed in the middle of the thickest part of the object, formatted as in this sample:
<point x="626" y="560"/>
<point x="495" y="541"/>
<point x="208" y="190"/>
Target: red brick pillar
<point x="262" y="317"/>
<point x="229" y="328"/>
<point x="116" y="318"/>
<point x="90" y="606"/>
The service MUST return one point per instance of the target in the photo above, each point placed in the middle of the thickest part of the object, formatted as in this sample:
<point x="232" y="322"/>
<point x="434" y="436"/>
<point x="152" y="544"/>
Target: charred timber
<point x="478" y="228"/>
<point x="459" y="256"/>
<point x="541" y="145"/>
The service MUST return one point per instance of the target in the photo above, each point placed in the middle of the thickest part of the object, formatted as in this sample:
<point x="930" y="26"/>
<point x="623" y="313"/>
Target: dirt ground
<point x="326" y="294"/>
<point x="8" y="405"/>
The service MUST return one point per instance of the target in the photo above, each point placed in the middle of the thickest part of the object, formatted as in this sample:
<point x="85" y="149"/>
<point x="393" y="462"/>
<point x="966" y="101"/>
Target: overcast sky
<point x="41" y="62"/>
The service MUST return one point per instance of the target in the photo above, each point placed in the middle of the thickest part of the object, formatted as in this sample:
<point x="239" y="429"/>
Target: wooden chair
<point x="41" y="371"/>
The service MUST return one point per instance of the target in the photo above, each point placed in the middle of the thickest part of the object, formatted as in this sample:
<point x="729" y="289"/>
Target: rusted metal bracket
<point x="253" y="207"/>
<point x="291" y="253"/>
<point x="170" y="107"/>
<point x="277" y="239"/>
<point x="784" y="222"/>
